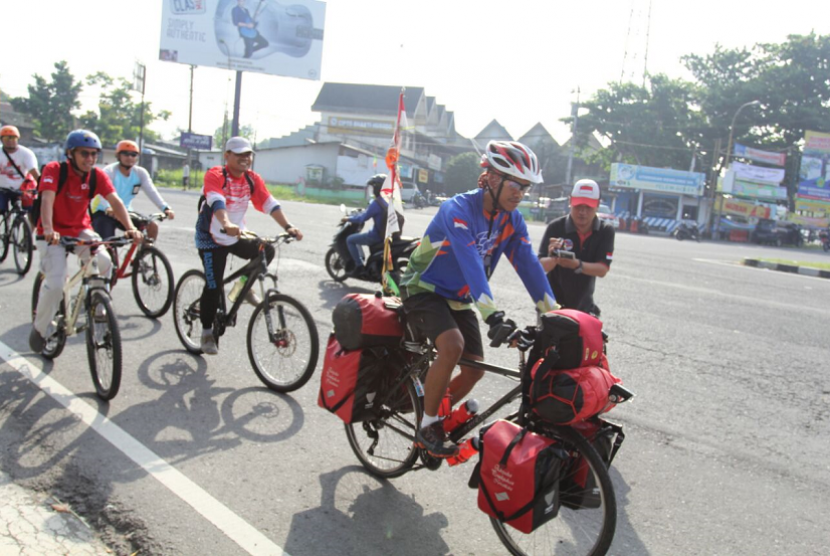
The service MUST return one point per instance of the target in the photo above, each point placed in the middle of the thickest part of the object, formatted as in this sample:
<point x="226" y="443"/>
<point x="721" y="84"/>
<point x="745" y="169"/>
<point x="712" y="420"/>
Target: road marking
<point x="232" y="525"/>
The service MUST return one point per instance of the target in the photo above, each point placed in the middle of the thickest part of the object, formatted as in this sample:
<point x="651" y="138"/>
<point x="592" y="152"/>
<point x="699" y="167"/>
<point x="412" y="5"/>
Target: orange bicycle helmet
<point x="126" y="146"/>
<point x="9" y="131"/>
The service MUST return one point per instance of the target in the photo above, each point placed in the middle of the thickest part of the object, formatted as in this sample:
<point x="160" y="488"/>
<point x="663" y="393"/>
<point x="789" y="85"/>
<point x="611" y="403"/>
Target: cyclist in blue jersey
<point x="448" y="273"/>
<point x="128" y="179"/>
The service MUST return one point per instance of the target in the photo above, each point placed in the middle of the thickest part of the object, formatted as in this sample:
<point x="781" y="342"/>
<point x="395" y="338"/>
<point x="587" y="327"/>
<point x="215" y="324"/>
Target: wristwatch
<point x="578" y="270"/>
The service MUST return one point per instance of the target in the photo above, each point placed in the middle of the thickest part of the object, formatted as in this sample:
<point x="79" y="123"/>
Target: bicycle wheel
<point x="103" y="345"/>
<point x="335" y="266"/>
<point x="22" y="245"/>
<point x="55" y="343"/>
<point x="385" y="444"/>
<point x="5" y="228"/>
<point x="582" y="531"/>
<point x="152" y="282"/>
<point x="287" y="360"/>
<point x="186" y="310"/>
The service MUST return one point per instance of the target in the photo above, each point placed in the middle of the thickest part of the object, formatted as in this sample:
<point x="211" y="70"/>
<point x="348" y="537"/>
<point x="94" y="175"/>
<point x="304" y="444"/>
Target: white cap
<point x="238" y="145"/>
<point x="585" y="192"/>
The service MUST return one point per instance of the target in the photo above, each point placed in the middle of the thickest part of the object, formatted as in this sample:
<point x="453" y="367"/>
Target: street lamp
<point x="729" y="154"/>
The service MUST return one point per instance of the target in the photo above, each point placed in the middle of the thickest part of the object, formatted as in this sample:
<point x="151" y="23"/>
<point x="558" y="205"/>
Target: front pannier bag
<point x="518" y="476"/>
<point x="350" y="382"/>
<point x="365" y="320"/>
<point x="563" y="397"/>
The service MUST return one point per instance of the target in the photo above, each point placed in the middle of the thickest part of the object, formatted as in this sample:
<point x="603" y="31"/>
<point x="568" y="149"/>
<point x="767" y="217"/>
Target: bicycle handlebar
<point x="68" y="242"/>
<point x="284" y="237"/>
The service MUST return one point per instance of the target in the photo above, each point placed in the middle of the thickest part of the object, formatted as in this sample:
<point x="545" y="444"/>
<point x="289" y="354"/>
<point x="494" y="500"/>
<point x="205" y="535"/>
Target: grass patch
<point x="808" y="264"/>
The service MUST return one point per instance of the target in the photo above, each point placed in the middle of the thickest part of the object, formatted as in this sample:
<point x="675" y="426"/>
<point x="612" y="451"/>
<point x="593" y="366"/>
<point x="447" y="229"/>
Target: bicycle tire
<point x="335" y="266"/>
<point x="113" y="253"/>
<point x="392" y="429"/>
<point x="152" y="273"/>
<point x="569" y="534"/>
<point x="103" y="345"/>
<point x="277" y="363"/>
<point x="55" y="343"/>
<point x="22" y="245"/>
<point x="186" y="310"/>
<point x="5" y="229"/>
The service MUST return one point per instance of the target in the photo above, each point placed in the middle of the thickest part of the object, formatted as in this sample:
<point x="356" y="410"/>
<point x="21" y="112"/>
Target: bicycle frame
<point x="123" y="269"/>
<point x="87" y="271"/>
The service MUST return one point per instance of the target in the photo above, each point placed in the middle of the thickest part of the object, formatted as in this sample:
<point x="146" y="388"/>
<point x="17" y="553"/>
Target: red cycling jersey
<point x="70" y="214"/>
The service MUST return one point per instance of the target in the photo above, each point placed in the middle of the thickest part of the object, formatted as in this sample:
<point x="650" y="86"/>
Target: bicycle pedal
<point x="429" y="461"/>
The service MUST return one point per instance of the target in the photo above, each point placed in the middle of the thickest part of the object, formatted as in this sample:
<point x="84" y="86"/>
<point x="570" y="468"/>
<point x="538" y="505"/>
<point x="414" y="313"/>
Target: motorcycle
<point x="687" y="231"/>
<point x="824" y="238"/>
<point x="419" y="201"/>
<point x="339" y="262"/>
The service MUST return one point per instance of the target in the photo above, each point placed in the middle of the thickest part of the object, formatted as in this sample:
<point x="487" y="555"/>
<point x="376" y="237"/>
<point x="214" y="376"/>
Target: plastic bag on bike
<point x="578" y="489"/>
<point x="518" y="476"/>
<point x="351" y="381"/>
<point x="366" y="320"/>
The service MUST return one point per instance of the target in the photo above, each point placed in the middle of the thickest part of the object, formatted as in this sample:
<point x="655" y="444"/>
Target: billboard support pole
<point x="237" y="95"/>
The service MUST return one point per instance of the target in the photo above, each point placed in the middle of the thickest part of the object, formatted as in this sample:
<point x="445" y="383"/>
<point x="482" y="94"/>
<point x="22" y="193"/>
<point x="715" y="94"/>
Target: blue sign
<point x="193" y="141"/>
<point x="663" y="180"/>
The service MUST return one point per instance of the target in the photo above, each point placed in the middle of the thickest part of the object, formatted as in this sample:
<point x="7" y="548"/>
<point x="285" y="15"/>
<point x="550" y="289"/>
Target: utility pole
<point x="235" y="125"/>
<point x="139" y="80"/>
<point x="575" y="115"/>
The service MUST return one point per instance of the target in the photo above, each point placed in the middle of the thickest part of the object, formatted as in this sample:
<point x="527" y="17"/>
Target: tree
<point x="119" y="117"/>
<point x="50" y="103"/>
<point x="223" y="133"/>
<point x="462" y="173"/>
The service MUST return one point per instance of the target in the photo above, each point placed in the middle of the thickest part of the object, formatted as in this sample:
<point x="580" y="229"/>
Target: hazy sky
<point x="519" y="62"/>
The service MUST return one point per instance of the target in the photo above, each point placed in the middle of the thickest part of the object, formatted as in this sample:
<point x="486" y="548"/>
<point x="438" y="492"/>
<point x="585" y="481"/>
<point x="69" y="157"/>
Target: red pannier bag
<point x="350" y="382"/>
<point x="28" y="192"/>
<point x="366" y="320"/>
<point x="518" y="476"/>
<point x="576" y="337"/>
<point x="578" y="488"/>
<point x="567" y="396"/>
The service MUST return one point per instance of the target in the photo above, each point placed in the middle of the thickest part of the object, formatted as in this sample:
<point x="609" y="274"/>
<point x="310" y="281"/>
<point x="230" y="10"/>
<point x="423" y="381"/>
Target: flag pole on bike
<point x="391" y="192"/>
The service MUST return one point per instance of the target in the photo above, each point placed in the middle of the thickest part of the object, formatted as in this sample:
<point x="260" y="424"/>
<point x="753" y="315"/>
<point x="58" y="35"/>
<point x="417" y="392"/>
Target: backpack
<point x="248" y="177"/>
<point x="366" y="320"/>
<point x="34" y="215"/>
<point x="518" y="476"/>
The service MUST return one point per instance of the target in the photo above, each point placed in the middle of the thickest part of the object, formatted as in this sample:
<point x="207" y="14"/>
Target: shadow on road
<point x="361" y="514"/>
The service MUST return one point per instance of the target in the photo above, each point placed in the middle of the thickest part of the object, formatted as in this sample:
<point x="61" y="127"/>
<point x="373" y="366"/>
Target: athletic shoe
<point x="434" y="440"/>
<point x="36" y="341"/>
<point x="209" y="344"/>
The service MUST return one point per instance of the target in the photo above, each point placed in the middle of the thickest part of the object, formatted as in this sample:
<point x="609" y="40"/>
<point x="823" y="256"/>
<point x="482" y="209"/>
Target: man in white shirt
<point x="16" y="163"/>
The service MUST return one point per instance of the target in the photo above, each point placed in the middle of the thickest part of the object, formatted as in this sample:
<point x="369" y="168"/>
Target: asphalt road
<point x="726" y="449"/>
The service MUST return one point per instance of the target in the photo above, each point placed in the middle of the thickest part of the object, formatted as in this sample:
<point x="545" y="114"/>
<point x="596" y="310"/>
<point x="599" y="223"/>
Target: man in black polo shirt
<point x="588" y="239"/>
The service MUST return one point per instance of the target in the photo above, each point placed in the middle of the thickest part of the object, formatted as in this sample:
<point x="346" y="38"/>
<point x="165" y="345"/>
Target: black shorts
<point x="430" y="314"/>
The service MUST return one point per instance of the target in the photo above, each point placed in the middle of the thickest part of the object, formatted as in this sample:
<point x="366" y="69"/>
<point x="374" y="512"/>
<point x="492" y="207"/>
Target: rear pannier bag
<point x="518" y="476"/>
<point x="350" y="382"/>
<point x="366" y="320"/>
<point x="578" y="488"/>
<point x="563" y="397"/>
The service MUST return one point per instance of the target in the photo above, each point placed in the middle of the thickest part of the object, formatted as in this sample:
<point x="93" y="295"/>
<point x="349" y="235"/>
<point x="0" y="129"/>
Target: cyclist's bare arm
<point x="123" y="216"/>
<point x="280" y="219"/>
<point x="34" y="172"/>
<point x="228" y="227"/>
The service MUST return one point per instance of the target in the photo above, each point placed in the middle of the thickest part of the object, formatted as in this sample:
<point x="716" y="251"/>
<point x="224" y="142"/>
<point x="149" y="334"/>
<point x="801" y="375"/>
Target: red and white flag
<point x="391" y="191"/>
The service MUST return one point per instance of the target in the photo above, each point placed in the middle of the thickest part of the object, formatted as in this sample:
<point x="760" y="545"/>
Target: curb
<point x="793" y="269"/>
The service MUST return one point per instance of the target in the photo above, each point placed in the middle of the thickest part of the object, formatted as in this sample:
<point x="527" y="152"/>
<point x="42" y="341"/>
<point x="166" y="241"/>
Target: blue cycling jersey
<point x="460" y="250"/>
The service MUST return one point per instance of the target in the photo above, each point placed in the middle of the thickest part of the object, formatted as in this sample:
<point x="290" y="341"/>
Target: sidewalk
<point x="794" y="269"/>
<point x="33" y="523"/>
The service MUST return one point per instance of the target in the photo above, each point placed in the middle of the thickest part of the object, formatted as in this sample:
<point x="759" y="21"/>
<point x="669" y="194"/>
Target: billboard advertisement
<point x="742" y="151"/>
<point x="814" y="173"/>
<point x="662" y="180"/>
<point x="264" y="36"/>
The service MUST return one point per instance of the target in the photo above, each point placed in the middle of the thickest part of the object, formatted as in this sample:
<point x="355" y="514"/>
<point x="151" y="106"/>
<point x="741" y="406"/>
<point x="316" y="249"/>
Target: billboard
<point x="193" y="141"/>
<point x="662" y="180"/>
<point x="814" y="174"/>
<point x="742" y="151"/>
<point x="264" y="36"/>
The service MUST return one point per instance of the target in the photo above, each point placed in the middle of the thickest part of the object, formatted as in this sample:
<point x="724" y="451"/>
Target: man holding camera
<point x="576" y="249"/>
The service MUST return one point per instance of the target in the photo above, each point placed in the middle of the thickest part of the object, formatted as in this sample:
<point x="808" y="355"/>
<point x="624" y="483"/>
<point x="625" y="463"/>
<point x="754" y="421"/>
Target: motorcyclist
<point x="377" y="211"/>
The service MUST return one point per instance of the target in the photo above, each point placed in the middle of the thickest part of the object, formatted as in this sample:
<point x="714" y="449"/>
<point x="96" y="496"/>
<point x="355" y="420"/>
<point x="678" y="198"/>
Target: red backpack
<point x="366" y="320"/>
<point x="518" y="476"/>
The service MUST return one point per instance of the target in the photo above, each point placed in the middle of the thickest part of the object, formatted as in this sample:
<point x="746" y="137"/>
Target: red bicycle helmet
<point x="513" y="159"/>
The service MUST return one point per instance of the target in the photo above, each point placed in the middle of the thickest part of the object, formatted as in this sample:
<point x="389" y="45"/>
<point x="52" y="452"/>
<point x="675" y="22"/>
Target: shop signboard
<point x="354" y="126"/>
<point x="662" y="180"/>
<point x="274" y="38"/>
<point x="803" y="204"/>
<point x="423" y="175"/>
<point x="742" y="151"/>
<point x="194" y="141"/>
<point x="749" y="172"/>
<point x="742" y="208"/>
<point x="745" y="188"/>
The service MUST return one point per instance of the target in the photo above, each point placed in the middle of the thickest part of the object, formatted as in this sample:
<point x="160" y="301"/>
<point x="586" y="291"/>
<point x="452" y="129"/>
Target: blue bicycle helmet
<point x="82" y="138"/>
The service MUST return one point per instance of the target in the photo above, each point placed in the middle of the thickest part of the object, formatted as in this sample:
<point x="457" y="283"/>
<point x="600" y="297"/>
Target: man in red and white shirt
<point x="66" y="213"/>
<point x="227" y="191"/>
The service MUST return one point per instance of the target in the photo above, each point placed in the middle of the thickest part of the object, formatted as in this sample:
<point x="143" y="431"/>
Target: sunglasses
<point x="514" y="185"/>
<point x="125" y="153"/>
<point x="87" y="154"/>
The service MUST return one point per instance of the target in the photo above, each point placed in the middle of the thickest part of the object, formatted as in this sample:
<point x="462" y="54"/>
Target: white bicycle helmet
<point x="513" y="159"/>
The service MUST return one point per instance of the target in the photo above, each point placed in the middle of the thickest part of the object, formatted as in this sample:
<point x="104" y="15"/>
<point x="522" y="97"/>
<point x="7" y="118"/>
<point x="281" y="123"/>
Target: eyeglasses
<point x="514" y="185"/>
<point x="87" y="154"/>
<point x="125" y="153"/>
<point x="247" y="154"/>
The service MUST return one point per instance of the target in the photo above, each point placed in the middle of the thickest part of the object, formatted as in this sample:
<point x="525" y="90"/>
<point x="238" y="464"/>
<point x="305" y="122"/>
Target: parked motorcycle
<point x="339" y="262"/>
<point x="687" y="231"/>
<point x="824" y="238"/>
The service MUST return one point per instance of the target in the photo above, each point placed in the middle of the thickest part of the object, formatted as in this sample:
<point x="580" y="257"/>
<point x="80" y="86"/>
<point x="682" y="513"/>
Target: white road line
<point x="233" y="526"/>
